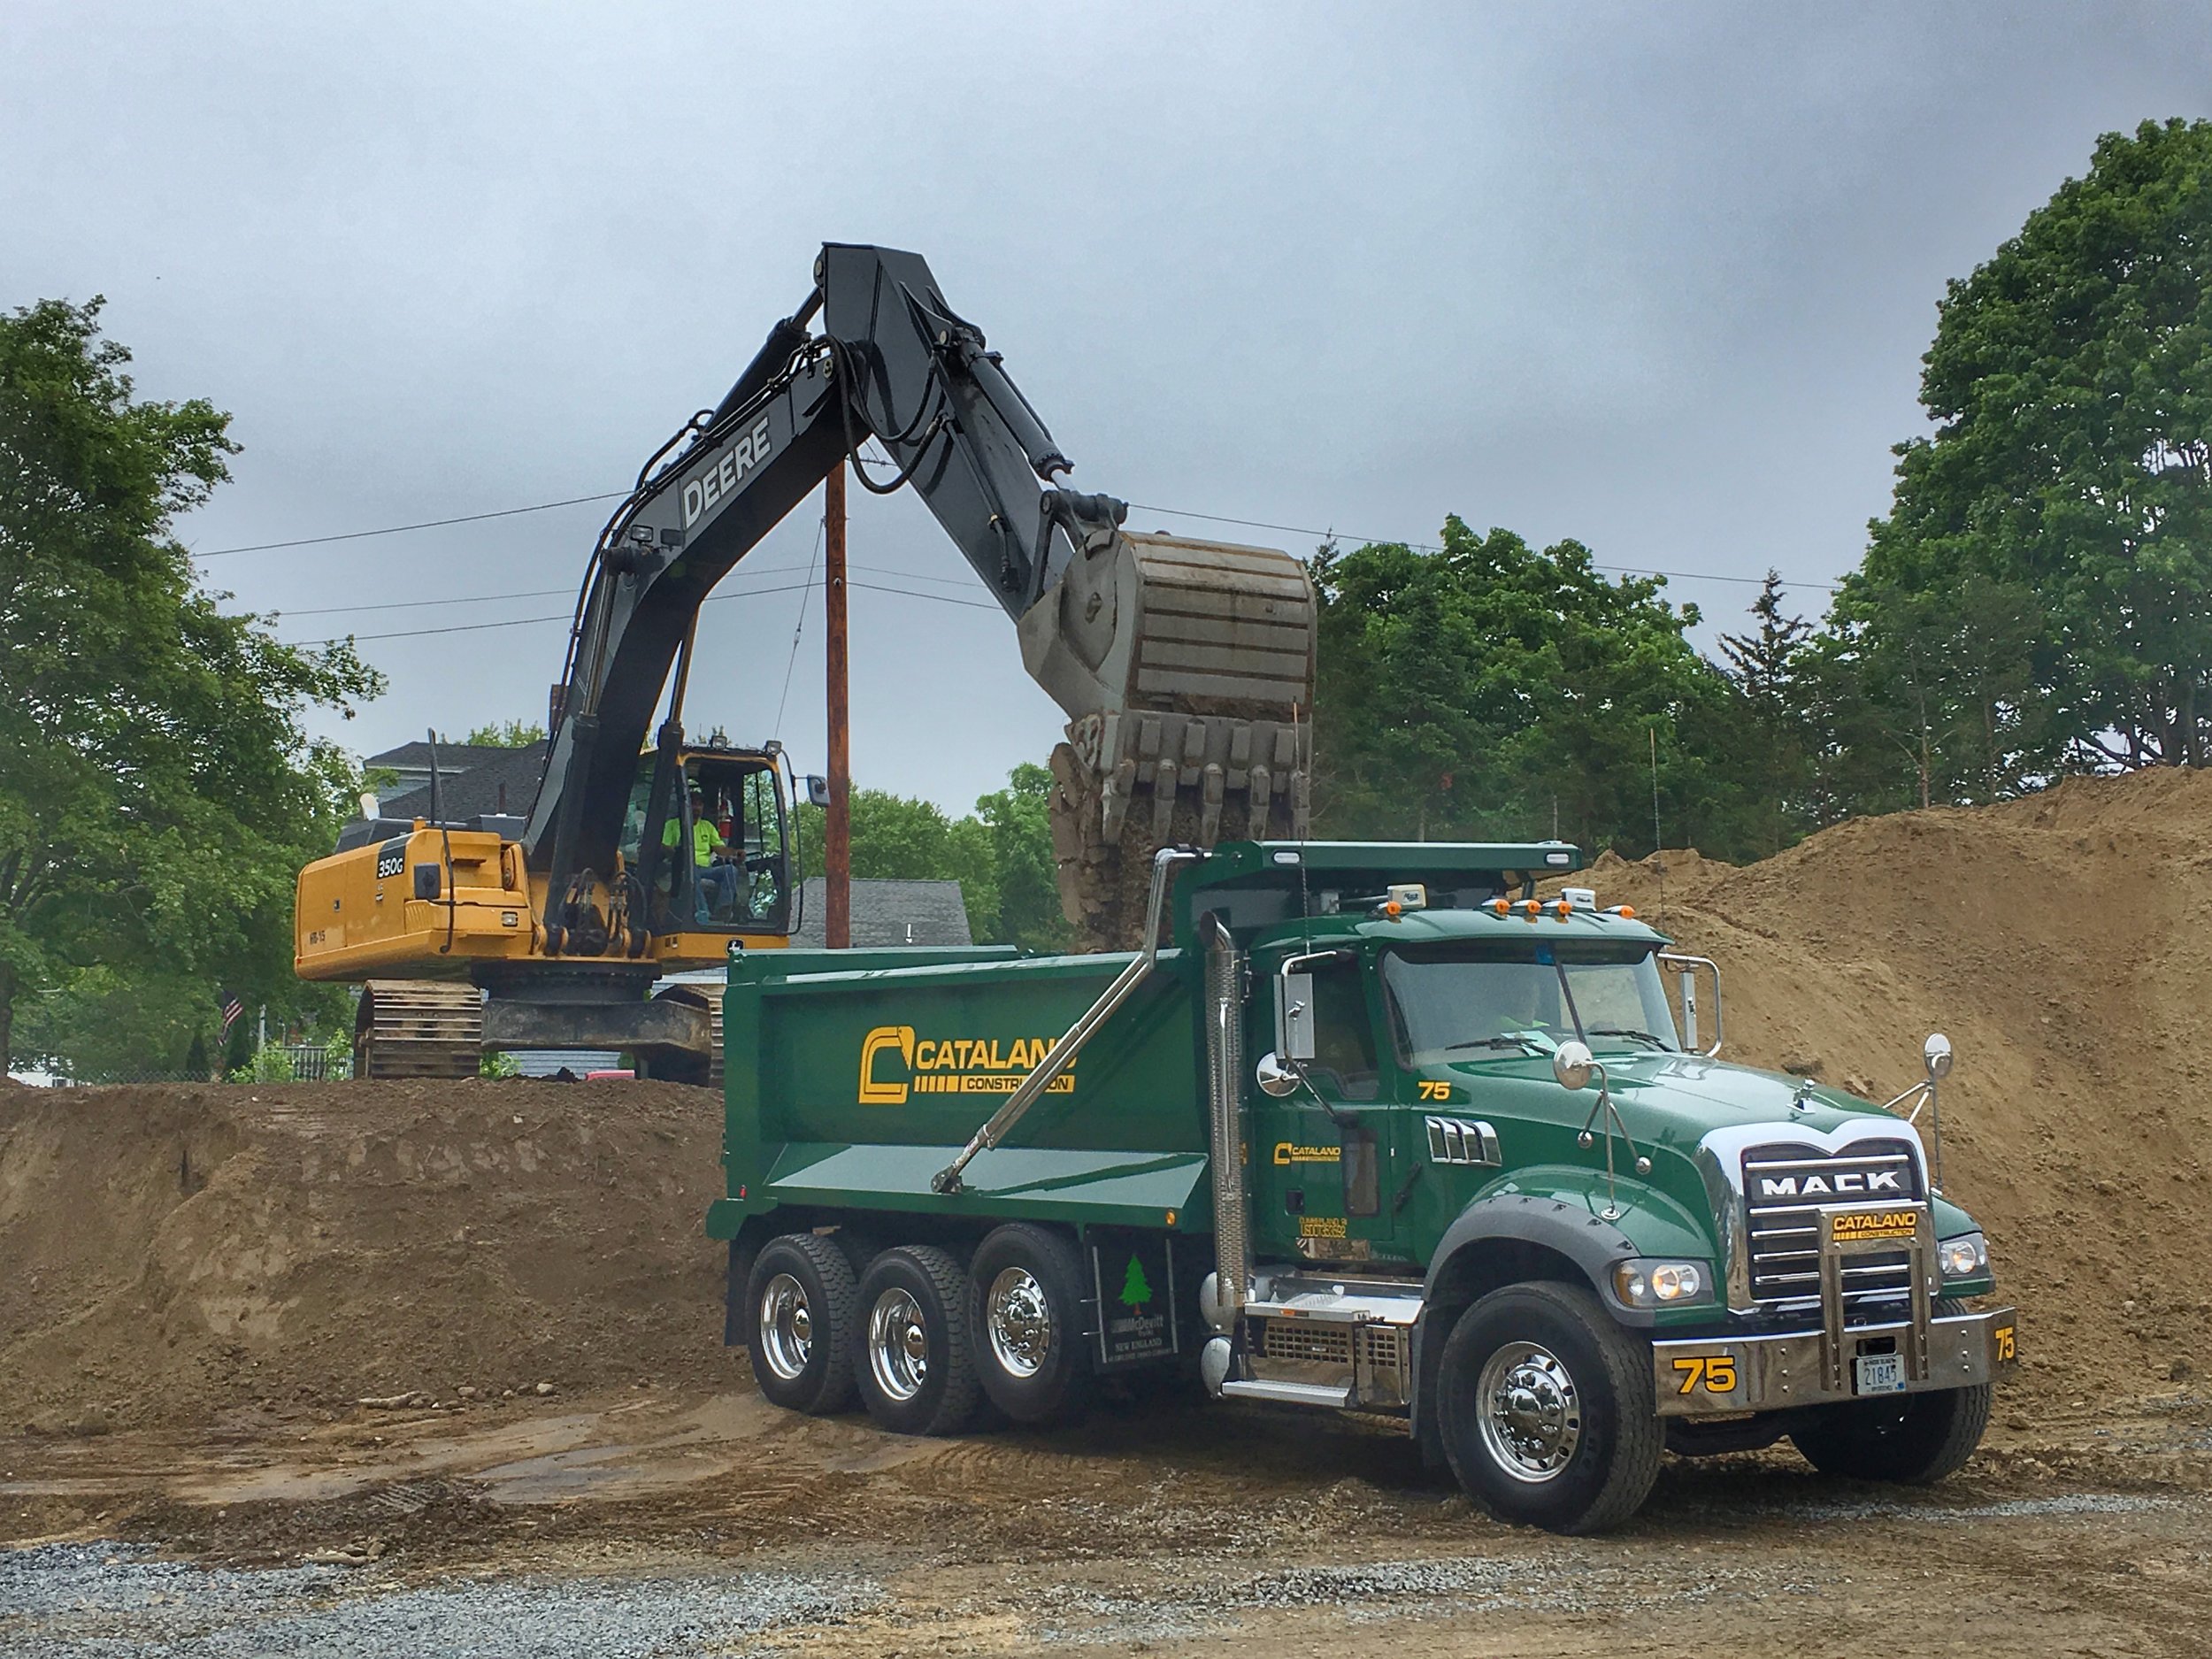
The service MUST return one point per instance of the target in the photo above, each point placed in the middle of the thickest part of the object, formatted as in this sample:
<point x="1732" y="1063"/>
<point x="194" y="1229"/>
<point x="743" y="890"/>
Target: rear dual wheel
<point x="923" y="1340"/>
<point x="800" y="1301"/>
<point x="912" y="1353"/>
<point x="1025" y="1303"/>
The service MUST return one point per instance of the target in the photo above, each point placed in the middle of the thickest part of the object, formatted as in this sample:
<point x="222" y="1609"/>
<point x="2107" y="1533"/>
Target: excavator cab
<point x="709" y="837"/>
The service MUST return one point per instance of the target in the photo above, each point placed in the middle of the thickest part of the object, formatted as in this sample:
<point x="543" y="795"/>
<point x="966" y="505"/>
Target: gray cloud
<point x="1658" y="278"/>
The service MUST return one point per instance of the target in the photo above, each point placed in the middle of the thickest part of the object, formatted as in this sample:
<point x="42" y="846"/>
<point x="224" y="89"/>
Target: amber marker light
<point x="1502" y="906"/>
<point x="1563" y="909"/>
<point x="1393" y="909"/>
<point x="1170" y="1219"/>
<point x="1626" y="912"/>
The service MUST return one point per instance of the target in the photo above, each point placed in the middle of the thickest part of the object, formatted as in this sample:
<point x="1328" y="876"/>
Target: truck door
<point x="1324" y="1156"/>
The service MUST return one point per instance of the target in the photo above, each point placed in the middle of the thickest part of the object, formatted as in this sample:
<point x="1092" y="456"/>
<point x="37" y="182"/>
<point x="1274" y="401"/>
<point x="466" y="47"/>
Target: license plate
<point x="1878" y="1374"/>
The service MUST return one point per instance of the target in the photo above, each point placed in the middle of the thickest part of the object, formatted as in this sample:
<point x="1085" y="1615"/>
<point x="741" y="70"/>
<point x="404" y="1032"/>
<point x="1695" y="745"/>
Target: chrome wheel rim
<point x="1530" y="1412"/>
<point x="898" y="1345"/>
<point x="787" y="1327"/>
<point x="1019" y="1321"/>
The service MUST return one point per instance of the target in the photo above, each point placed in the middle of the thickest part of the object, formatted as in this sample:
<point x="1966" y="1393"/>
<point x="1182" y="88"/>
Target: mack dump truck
<point x="1371" y="1128"/>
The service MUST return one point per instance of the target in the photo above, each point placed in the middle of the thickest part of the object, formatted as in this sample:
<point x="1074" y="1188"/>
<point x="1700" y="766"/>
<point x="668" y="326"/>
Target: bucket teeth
<point x="1188" y="698"/>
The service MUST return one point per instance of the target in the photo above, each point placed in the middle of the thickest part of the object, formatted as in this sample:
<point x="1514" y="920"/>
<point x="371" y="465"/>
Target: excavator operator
<point x="714" y="883"/>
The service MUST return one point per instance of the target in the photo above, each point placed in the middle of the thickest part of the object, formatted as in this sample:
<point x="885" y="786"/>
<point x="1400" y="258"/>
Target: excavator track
<point x="682" y="1067"/>
<point x="419" y="1028"/>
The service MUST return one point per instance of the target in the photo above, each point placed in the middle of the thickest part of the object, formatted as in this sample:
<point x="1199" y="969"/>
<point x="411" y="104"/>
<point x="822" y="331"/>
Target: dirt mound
<point x="2062" y="943"/>
<point x="173" y="1254"/>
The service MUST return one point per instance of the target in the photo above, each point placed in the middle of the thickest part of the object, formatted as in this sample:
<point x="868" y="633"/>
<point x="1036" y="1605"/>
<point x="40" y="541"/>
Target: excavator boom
<point x="1185" y="667"/>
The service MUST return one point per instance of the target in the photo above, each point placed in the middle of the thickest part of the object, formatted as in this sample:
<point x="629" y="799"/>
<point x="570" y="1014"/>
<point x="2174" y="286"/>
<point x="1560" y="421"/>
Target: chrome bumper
<point x="1717" y="1376"/>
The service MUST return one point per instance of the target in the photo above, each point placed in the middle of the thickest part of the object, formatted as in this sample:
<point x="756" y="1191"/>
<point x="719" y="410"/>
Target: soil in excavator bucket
<point x="1187" y="670"/>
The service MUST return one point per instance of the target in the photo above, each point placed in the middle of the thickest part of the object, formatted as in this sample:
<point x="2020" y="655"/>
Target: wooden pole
<point x="837" y="859"/>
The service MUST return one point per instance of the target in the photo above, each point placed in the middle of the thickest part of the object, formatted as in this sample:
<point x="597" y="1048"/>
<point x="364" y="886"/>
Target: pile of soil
<point x="177" y="1254"/>
<point x="2062" y="942"/>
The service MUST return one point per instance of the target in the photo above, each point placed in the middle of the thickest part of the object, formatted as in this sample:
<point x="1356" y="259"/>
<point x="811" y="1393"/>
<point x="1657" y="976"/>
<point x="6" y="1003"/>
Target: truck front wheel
<point x="799" y="1321"/>
<point x="1026" y="1307"/>
<point x="912" y="1353"/>
<point x="1915" y="1438"/>
<point x="1545" y="1410"/>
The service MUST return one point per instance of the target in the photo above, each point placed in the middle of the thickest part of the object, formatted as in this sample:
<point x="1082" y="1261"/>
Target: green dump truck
<point x="1485" y="1174"/>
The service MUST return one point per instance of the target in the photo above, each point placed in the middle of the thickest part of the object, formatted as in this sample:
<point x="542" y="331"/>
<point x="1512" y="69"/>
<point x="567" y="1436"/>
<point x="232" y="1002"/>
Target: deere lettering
<point x="741" y="457"/>
<point x="1856" y="1183"/>
<point x="894" y="1064"/>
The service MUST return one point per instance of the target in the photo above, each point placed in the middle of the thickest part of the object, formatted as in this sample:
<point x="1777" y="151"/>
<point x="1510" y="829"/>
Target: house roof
<point x="501" y="780"/>
<point x="892" y="912"/>
<point x="453" y="758"/>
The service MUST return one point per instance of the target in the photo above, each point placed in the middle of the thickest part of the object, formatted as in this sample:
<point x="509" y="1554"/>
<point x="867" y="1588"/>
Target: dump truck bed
<point x="854" y="1086"/>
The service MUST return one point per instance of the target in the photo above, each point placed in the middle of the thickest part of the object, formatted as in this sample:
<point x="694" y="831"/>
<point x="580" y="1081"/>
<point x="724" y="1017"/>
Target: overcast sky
<point x="1656" y="277"/>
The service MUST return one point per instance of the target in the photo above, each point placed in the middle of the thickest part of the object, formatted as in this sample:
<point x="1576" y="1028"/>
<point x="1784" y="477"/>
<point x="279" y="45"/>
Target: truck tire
<point x="911" y="1352"/>
<point x="1545" y="1410"/>
<point x="1913" y="1439"/>
<point x="1026" y="1309"/>
<point x="799" y="1303"/>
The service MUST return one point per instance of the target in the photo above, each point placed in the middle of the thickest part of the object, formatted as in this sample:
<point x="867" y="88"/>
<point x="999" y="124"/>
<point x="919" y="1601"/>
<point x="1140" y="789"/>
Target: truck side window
<point x="1343" y="1036"/>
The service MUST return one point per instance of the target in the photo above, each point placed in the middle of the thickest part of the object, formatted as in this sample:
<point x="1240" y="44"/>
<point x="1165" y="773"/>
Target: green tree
<point x="1491" y="690"/>
<point x="507" y="734"/>
<point x="1001" y="854"/>
<point x="1019" y="820"/>
<point x="2035" y="600"/>
<point x="1769" y="666"/>
<point x="158" y="791"/>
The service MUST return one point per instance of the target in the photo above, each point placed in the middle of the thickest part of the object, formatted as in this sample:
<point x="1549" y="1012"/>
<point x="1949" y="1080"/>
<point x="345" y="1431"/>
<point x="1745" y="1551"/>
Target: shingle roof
<point x="503" y="780"/>
<point x="892" y="912"/>
<point x="455" y="757"/>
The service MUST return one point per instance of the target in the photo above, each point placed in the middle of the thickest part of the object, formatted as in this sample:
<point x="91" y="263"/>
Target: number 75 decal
<point x="1716" y="1372"/>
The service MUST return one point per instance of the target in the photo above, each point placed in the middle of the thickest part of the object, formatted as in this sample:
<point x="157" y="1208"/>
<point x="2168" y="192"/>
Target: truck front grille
<point x="1784" y="1186"/>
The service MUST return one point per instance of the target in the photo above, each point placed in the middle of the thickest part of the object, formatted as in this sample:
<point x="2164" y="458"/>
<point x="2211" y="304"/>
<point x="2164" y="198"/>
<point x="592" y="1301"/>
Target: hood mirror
<point x="1276" y="1078"/>
<point x="1936" y="1054"/>
<point x="1571" y="1063"/>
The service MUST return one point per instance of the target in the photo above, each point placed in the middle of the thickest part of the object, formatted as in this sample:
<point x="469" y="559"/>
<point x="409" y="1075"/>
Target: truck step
<point x="1324" y="1307"/>
<point x="1289" y="1394"/>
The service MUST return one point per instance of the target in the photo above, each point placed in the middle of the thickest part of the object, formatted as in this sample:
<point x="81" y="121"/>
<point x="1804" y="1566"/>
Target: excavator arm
<point x="1185" y="668"/>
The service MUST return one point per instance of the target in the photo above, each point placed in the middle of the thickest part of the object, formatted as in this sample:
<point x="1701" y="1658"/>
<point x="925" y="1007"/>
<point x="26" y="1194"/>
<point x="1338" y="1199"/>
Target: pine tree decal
<point x="1136" y="1289"/>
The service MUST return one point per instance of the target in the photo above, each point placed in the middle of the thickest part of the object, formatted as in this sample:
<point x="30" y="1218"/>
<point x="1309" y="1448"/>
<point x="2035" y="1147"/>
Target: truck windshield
<point x="1448" y="1002"/>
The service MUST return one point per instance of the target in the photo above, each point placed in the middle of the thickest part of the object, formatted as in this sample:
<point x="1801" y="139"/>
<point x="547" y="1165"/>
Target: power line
<point x="792" y="662"/>
<point x="1172" y="512"/>
<point x="1430" y="547"/>
<point x="524" y="622"/>
<point x="400" y="529"/>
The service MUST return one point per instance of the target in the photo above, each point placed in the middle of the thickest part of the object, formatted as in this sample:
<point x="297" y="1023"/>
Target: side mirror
<point x="1571" y="1063"/>
<point x="817" y="790"/>
<point x="1936" y="1055"/>
<point x="1294" y="1016"/>
<point x="1275" y="1077"/>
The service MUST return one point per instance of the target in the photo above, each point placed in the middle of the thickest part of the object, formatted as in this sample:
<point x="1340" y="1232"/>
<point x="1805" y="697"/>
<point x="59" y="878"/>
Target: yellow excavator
<point x="1185" y="667"/>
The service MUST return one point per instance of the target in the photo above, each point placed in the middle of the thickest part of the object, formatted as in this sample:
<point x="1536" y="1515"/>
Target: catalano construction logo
<point x="894" y="1063"/>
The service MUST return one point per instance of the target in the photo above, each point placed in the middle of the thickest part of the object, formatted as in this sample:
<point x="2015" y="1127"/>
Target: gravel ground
<point x="120" y="1601"/>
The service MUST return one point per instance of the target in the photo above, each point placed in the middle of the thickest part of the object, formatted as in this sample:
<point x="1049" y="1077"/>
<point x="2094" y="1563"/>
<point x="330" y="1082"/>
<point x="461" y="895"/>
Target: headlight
<point x="1659" y="1284"/>
<point x="1966" y="1257"/>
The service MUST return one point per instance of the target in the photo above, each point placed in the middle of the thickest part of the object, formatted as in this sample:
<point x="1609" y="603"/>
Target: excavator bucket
<point x="1187" y="670"/>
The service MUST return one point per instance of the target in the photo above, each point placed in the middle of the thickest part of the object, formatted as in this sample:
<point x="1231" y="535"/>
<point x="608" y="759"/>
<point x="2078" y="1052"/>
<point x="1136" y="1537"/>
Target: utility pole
<point x="837" y="852"/>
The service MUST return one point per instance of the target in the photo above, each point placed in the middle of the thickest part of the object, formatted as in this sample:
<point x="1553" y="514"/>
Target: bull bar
<point x="1728" y="1375"/>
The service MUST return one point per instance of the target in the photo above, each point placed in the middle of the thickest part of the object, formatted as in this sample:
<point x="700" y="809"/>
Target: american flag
<point x="231" y="1012"/>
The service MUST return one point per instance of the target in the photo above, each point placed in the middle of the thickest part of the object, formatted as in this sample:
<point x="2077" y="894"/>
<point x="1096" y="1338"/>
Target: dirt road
<point x="711" y="1523"/>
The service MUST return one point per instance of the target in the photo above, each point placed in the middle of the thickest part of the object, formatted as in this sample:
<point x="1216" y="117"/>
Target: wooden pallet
<point x="419" y="1028"/>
